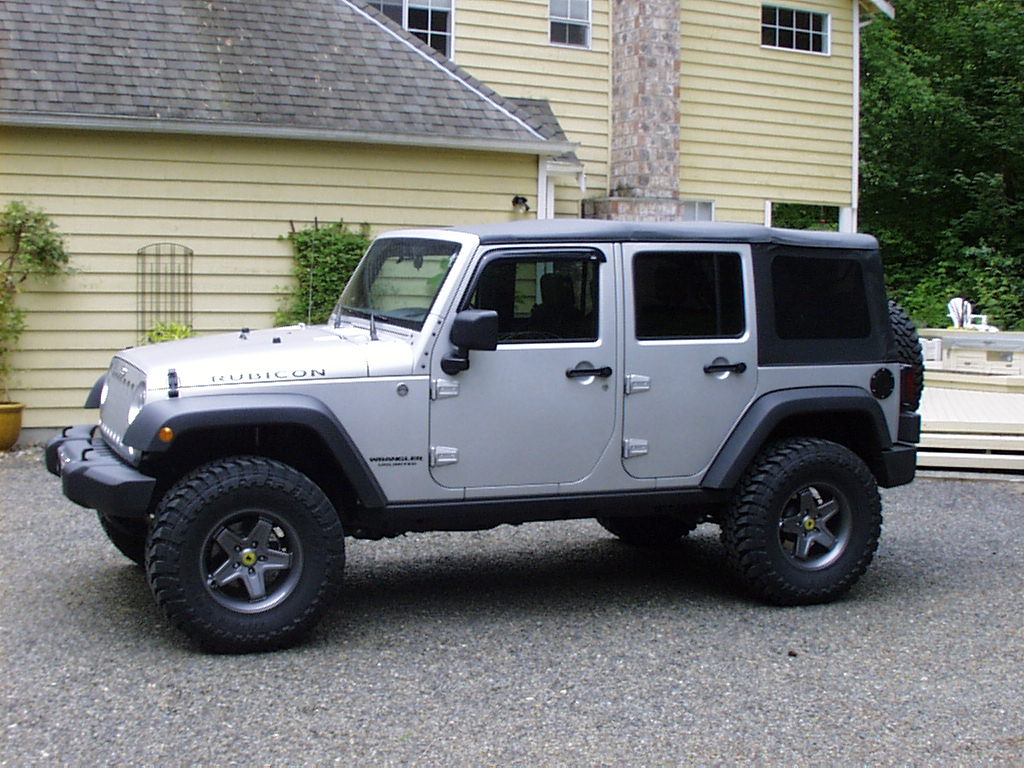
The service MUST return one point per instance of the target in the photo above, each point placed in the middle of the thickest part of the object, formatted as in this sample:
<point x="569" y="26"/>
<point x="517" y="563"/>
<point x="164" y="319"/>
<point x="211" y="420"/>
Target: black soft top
<point x="596" y="230"/>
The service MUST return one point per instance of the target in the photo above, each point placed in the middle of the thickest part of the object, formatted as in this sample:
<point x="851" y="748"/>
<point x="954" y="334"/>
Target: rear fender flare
<point x="769" y="411"/>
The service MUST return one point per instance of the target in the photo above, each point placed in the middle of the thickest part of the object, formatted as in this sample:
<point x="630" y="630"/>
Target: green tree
<point x="30" y="246"/>
<point x="325" y="257"/>
<point x="942" y="149"/>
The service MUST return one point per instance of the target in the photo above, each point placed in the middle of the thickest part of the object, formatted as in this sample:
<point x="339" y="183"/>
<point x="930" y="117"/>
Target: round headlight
<point x="104" y="392"/>
<point x="138" y="400"/>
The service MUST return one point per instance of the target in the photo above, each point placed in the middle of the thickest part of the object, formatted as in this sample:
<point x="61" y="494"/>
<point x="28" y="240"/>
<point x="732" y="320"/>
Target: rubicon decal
<point x="301" y="373"/>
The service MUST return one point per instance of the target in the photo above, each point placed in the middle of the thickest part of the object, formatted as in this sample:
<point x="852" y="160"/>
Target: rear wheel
<point x="245" y="554"/>
<point x="805" y="522"/>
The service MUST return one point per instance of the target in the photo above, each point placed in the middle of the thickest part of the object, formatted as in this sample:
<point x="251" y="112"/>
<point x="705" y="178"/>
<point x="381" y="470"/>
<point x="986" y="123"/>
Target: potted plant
<point x="31" y="246"/>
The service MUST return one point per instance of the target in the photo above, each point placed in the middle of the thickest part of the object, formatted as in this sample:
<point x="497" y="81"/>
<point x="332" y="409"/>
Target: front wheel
<point x="245" y="554"/>
<point x="804" y="523"/>
<point x="127" y="534"/>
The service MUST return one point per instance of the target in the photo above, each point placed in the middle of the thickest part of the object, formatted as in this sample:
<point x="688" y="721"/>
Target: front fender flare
<point x="185" y="414"/>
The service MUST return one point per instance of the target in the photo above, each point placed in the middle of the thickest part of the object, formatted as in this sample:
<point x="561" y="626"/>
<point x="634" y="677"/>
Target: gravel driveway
<point x="544" y="645"/>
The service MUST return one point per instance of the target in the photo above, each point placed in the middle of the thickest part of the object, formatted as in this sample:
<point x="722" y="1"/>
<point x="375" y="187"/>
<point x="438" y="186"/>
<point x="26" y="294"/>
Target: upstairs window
<point x="570" y="22"/>
<point x="429" y="20"/>
<point x="794" y="30"/>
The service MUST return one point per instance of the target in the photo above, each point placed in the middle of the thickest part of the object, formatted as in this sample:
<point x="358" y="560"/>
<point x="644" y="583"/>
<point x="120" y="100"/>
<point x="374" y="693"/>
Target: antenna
<point x="312" y="262"/>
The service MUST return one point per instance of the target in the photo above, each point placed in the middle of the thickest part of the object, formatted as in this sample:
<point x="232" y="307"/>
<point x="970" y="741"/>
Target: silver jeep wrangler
<point x="654" y="376"/>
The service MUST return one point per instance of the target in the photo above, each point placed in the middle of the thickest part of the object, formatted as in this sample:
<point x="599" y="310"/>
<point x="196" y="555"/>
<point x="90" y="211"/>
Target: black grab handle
<point x="579" y="373"/>
<point x="725" y="368"/>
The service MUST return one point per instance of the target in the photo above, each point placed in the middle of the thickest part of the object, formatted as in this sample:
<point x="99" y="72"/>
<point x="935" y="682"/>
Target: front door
<point x="690" y="354"/>
<point x="541" y="408"/>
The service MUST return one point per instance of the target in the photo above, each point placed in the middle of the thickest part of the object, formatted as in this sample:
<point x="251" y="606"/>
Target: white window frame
<point x="429" y="5"/>
<point x="696" y="207"/>
<point x="826" y="33"/>
<point x="588" y="24"/>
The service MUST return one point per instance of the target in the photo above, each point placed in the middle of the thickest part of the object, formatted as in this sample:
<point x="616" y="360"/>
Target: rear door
<point x="690" y="354"/>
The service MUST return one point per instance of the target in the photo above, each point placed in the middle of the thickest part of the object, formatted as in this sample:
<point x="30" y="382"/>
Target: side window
<point x="680" y="295"/>
<point x="819" y="298"/>
<point x="540" y="299"/>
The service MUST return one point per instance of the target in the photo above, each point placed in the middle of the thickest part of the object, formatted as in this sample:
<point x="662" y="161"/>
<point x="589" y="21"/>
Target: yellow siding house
<point x="217" y="124"/>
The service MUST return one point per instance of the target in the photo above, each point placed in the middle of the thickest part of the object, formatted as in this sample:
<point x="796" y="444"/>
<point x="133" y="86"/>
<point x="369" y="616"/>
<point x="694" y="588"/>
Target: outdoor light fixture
<point x="519" y="204"/>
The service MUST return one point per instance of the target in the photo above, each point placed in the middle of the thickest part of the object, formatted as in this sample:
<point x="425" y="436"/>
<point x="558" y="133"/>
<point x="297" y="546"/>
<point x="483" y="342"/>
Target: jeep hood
<point x="294" y="353"/>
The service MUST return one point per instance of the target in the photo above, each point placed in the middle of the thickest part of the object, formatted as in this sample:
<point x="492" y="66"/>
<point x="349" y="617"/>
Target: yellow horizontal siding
<point x="231" y="201"/>
<point x="506" y="46"/>
<point x="763" y="124"/>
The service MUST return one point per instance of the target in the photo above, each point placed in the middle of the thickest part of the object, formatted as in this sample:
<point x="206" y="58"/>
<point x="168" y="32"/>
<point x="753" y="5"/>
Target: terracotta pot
<point x="10" y="424"/>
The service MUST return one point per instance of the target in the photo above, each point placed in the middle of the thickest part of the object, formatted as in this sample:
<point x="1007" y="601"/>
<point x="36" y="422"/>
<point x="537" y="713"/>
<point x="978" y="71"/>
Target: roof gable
<point x="303" y="69"/>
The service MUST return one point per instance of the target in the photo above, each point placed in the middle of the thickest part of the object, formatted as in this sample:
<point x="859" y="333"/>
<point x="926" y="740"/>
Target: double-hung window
<point x="570" y="22"/>
<point x="794" y="30"/>
<point x="429" y="20"/>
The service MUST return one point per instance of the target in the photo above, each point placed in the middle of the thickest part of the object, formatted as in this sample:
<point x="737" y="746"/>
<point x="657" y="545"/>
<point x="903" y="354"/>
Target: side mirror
<point x="471" y="329"/>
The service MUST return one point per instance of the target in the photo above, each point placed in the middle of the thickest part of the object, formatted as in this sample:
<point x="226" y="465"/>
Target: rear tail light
<point x="909" y="393"/>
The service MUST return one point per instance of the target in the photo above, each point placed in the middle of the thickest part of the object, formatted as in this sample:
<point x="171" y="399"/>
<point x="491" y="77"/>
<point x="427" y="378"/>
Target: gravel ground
<point x="544" y="645"/>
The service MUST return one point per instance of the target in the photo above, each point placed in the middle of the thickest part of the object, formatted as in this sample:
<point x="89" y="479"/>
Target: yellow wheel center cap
<point x="249" y="558"/>
<point x="809" y="524"/>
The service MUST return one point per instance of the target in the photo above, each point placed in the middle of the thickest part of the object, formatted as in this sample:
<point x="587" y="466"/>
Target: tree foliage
<point x="325" y="257"/>
<point x="942" y="148"/>
<point x="32" y="246"/>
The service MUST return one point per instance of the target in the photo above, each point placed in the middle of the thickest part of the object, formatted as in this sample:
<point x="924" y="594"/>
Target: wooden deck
<point x="972" y="430"/>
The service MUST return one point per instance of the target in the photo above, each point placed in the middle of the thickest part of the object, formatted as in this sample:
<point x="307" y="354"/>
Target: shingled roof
<point x="314" y="69"/>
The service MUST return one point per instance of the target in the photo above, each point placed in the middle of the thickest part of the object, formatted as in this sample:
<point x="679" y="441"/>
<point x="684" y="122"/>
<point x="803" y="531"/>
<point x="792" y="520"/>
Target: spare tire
<point x="908" y="351"/>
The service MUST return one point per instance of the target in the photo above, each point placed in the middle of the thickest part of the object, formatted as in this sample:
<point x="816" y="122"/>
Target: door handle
<point x="580" y="373"/>
<point x="725" y="368"/>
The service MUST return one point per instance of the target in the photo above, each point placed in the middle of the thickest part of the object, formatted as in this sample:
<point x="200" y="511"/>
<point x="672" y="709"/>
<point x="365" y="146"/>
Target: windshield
<point x="397" y="281"/>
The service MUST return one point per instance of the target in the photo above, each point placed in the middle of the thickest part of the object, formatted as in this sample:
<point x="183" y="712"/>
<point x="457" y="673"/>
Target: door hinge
<point x="443" y="455"/>
<point x="632" y="447"/>
<point x="635" y="383"/>
<point x="442" y="388"/>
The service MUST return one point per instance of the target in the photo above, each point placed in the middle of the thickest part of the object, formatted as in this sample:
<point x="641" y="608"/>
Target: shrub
<point x="325" y="258"/>
<point x="169" y="332"/>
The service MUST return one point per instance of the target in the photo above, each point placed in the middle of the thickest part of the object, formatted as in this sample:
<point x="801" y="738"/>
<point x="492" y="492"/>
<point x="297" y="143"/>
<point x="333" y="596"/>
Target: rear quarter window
<point x="819" y="298"/>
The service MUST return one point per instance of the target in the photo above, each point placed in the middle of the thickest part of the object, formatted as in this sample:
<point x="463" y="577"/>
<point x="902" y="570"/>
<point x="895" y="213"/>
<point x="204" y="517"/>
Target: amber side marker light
<point x="166" y="434"/>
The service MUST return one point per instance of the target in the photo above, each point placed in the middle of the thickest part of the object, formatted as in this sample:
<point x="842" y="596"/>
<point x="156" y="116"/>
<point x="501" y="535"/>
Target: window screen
<point x="678" y="295"/>
<point x="819" y="298"/>
<point x="540" y="299"/>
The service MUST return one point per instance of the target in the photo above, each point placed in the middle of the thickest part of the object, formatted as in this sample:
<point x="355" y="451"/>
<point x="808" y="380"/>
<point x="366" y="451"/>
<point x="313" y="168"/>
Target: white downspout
<point x="545" y="201"/>
<point x="848" y="216"/>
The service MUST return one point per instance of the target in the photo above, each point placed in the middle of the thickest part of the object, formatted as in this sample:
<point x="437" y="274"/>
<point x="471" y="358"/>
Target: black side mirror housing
<point x="471" y="329"/>
<point x="475" y="329"/>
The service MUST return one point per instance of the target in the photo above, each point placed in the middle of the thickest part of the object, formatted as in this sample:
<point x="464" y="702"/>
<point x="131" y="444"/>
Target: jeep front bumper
<point x="94" y="476"/>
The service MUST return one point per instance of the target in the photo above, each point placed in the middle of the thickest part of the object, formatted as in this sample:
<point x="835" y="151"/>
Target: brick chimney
<point x="644" y="173"/>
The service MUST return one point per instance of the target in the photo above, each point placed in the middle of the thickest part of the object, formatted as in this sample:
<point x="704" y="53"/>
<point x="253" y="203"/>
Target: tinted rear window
<point x="819" y="298"/>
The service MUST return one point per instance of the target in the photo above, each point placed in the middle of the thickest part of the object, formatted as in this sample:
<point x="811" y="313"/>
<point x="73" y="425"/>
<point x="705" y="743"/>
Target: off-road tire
<point x="908" y="348"/>
<point x="654" y="531"/>
<point x="127" y="534"/>
<point x="234" y="527"/>
<point x="798" y="493"/>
